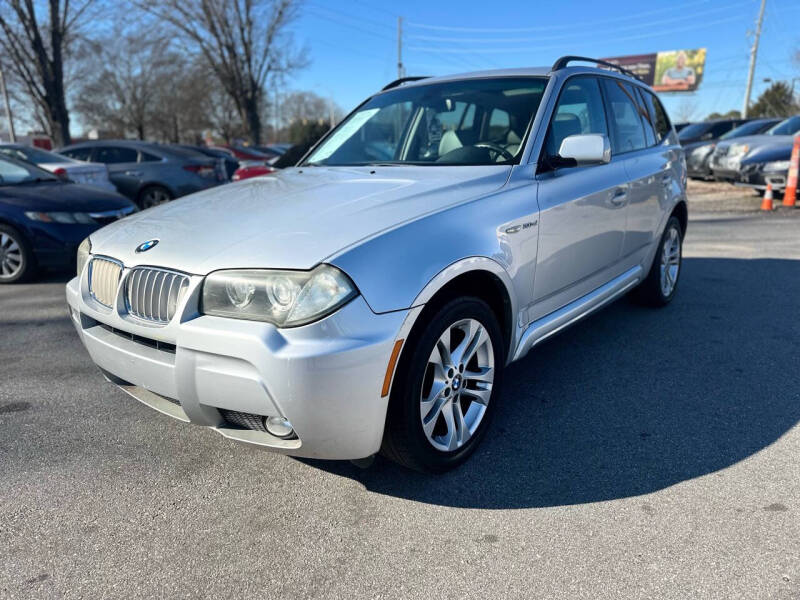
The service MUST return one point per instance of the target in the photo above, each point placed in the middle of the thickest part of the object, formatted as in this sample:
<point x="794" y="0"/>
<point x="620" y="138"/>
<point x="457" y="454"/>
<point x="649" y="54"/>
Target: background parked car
<point x="707" y="130"/>
<point x="149" y="174"/>
<point x="226" y="163"/>
<point x="278" y="149"/>
<point x="679" y="126"/>
<point x="94" y="174"/>
<point x="698" y="154"/>
<point x="248" y="170"/>
<point x="241" y="153"/>
<point x="44" y="218"/>
<point x="751" y="160"/>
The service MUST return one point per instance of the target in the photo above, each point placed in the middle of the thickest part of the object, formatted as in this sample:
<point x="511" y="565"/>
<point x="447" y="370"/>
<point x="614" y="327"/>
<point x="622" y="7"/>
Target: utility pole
<point x="4" y="91"/>
<point x="753" y="53"/>
<point x="401" y="71"/>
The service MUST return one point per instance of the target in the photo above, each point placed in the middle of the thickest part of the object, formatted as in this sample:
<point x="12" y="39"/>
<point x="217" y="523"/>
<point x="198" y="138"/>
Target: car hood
<point x="757" y="141"/>
<point x="292" y="219"/>
<point x="49" y="196"/>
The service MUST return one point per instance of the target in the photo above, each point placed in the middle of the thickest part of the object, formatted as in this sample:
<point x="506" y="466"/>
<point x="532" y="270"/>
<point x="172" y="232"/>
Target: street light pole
<point x="4" y="91"/>
<point x="753" y="53"/>
<point x="401" y="71"/>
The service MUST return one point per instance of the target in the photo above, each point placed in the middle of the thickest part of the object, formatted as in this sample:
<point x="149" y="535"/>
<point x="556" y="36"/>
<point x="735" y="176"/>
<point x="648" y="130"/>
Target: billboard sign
<point x="670" y="71"/>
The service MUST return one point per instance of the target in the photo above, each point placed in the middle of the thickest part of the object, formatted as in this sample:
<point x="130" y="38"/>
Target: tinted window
<point x="579" y="111"/>
<point x="13" y="172"/>
<point x="719" y="128"/>
<point x="647" y="119"/>
<point x="750" y="128"/>
<point x="694" y="130"/>
<point x="626" y="126"/>
<point x="79" y="153"/>
<point x="145" y="157"/>
<point x="113" y="154"/>
<point x="660" y="119"/>
<point x="788" y="127"/>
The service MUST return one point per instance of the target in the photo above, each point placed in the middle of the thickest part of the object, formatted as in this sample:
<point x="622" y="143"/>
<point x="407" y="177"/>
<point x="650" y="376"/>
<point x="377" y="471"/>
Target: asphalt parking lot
<point x="641" y="454"/>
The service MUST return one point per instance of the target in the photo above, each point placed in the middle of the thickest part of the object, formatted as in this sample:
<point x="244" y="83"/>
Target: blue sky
<point x="353" y="45"/>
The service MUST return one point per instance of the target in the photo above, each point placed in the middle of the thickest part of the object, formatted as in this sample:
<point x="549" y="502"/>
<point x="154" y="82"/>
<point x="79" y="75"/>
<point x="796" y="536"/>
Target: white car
<point x="369" y="298"/>
<point x="87" y="173"/>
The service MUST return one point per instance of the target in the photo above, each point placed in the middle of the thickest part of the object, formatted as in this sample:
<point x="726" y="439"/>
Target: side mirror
<point x="585" y="149"/>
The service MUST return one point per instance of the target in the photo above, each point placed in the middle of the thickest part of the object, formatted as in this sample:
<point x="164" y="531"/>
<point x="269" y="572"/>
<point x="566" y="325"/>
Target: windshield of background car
<point x="789" y="126"/>
<point x="746" y="129"/>
<point x="468" y="122"/>
<point x="13" y="172"/>
<point x="694" y="130"/>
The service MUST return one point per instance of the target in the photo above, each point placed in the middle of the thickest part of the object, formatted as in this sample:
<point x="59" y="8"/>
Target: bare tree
<point x="121" y="95"/>
<point x="37" y="49"/>
<point x="245" y="42"/>
<point x="298" y="106"/>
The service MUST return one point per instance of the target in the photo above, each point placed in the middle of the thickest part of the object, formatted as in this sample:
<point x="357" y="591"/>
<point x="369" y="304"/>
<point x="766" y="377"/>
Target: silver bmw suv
<point x="369" y="298"/>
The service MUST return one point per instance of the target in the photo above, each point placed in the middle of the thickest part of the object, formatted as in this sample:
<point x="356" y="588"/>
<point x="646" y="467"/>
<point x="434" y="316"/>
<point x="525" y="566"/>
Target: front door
<point x="582" y="218"/>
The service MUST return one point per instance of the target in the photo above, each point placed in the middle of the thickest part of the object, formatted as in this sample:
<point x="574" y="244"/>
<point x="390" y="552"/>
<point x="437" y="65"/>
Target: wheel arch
<point x="476" y="276"/>
<point x="681" y="211"/>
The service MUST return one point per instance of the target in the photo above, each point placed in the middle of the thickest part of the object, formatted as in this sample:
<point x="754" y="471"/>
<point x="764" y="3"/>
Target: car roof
<point x="521" y="72"/>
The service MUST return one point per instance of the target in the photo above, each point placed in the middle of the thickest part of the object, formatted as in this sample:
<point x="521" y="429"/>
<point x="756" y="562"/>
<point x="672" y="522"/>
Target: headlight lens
<point x="738" y="150"/>
<point x="84" y="251"/>
<point x="776" y="165"/>
<point x="284" y="298"/>
<point x="60" y="217"/>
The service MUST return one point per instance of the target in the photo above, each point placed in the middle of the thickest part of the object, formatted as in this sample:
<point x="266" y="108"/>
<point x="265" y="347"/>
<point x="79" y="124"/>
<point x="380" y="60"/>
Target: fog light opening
<point x="279" y="427"/>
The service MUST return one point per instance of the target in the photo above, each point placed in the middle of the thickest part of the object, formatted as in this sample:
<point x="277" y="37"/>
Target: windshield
<point x="468" y="122"/>
<point x="13" y="172"/>
<point x="694" y="130"/>
<point x="788" y="127"/>
<point x="750" y="128"/>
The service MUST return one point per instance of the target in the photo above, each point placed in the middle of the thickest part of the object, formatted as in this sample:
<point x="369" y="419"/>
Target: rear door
<point x="633" y="140"/>
<point x="654" y="179"/>
<point x="582" y="208"/>
<point x="123" y="168"/>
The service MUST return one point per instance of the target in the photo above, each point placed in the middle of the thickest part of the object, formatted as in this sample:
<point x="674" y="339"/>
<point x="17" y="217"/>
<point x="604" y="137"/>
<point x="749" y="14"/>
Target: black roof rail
<point x="401" y="81"/>
<point x="565" y="60"/>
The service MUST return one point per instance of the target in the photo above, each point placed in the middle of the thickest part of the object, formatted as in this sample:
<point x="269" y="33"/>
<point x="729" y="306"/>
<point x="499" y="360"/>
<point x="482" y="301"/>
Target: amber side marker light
<point x="387" y="380"/>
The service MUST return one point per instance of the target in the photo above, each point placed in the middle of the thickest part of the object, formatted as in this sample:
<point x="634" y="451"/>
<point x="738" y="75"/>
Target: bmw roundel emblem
<point x="145" y="246"/>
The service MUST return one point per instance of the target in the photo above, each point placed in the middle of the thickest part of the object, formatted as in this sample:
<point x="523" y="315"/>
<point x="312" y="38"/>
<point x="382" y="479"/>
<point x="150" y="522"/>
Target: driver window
<point x="579" y="111"/>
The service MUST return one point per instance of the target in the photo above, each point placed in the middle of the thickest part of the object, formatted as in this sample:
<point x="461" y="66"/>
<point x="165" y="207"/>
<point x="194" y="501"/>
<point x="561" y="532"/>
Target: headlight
<point x="776" y="165"/>
<point x="738" y="150"/>
<point x="284" y="298"/>
<point x="60" y="217"/>
<point x="84" y="250"/>
<point x="702" y="151"/>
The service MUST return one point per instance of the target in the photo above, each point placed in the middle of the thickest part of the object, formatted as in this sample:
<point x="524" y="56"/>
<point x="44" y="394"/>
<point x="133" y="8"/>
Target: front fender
<point x="404" y="267"/>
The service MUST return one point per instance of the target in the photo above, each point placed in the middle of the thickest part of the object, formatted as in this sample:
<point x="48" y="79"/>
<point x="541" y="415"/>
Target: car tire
<point x="17" y="262"/>
<point x="434" y="432"/>
<point x="661" y="283"/>
<point x="153" y="195"/>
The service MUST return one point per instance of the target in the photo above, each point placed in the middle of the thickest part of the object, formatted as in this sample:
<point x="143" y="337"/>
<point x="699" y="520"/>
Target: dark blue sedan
<point x="44" y="218"/>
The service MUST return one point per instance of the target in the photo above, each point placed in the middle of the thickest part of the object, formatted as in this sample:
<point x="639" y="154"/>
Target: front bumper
<point x="325" y="378"/>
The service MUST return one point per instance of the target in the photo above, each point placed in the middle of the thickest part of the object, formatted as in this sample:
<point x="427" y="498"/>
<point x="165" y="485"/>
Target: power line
<point x="692" y="16"/>
<point x="689" y="5"/>
<point x="553" y="47"/>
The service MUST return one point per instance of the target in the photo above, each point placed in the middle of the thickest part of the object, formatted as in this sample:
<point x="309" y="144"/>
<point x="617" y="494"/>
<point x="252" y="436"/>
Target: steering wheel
<point x="496" y="148"/>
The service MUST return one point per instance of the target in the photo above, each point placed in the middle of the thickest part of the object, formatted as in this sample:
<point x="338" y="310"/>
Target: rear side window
<point x="579" y="111"/>
<point x="659" y="116"/>
<point x="114" y="154"/>
<point x="627" y="131"/>
<point x="145" y="157"/>
<point x="647" y="119"/>
<point x="79" y="153"/>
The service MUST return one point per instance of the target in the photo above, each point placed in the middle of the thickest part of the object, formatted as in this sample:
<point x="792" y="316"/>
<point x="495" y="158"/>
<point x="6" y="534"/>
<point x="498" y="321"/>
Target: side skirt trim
<point x="543" y="328"/>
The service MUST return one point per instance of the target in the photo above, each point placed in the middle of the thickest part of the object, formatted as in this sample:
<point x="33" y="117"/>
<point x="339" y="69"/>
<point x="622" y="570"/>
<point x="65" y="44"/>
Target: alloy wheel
<point x="670" y="261"/>
<point x="457" y="385"/>
<point x="10" y="256"/>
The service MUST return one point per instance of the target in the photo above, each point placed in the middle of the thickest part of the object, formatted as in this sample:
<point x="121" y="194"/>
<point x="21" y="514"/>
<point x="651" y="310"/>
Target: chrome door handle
<point x="617" y="197"/>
